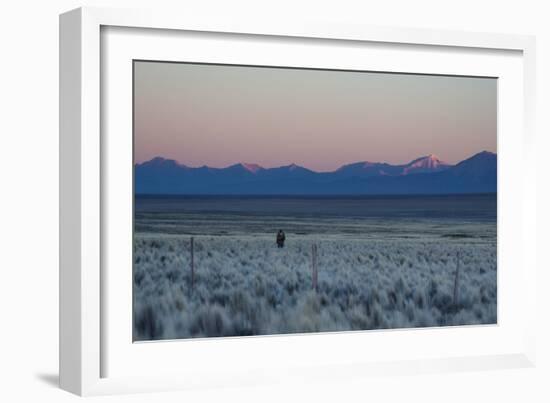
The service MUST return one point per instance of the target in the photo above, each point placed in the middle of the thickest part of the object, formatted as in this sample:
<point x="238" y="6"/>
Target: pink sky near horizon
<point x="220" y="115"/>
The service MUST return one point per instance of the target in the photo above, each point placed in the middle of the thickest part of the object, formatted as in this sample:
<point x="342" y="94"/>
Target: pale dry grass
<point x="246" y="286"/>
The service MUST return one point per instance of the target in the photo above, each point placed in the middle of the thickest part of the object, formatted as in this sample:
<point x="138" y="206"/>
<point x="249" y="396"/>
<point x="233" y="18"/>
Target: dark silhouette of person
<point x="280" y="239"/>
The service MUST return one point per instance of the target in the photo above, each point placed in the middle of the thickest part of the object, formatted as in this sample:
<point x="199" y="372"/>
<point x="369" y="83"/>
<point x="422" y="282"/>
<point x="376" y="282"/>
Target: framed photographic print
<point x="309" y="236"/>
<point x="244" y="201"/>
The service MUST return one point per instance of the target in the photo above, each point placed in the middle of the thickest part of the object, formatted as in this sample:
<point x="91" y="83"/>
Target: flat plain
<point x="372" y="273"/>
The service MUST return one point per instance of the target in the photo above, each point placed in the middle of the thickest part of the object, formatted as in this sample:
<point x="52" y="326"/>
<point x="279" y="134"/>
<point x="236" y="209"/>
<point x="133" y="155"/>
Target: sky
<point x="219" y="115"/>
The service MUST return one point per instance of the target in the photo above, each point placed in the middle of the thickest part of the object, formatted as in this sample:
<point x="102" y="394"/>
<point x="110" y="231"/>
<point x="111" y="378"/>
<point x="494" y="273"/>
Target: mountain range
<point x="425" y="175"/>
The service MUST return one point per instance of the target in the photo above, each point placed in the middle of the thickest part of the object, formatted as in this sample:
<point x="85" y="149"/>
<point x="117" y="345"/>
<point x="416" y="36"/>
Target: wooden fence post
<point x="192" y="262"/>
<point x="455" y="294"/>
<point x="314" y="266"/>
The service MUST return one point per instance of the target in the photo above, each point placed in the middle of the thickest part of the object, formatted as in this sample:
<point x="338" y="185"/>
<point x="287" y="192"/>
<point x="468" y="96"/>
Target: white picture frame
<point x="93" y="349"/>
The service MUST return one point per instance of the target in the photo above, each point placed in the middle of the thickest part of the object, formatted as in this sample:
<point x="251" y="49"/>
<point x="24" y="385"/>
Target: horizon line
<point x="311" y="195"/>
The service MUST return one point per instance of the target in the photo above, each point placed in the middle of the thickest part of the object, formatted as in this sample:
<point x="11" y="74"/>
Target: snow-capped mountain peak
<point x="251" y="167"/>
<point x="429" y="163"/>
<point x="430" y="160"/>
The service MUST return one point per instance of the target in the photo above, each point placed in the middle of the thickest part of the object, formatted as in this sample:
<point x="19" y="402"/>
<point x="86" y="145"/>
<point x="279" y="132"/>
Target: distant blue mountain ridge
<point x="425" y="175"/>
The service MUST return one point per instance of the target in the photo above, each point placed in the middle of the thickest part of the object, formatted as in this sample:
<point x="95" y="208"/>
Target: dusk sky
<point x="220" y="115"/>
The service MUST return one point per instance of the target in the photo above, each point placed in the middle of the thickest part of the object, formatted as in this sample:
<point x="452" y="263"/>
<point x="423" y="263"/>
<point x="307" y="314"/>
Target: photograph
<point x="276" y="200"/>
